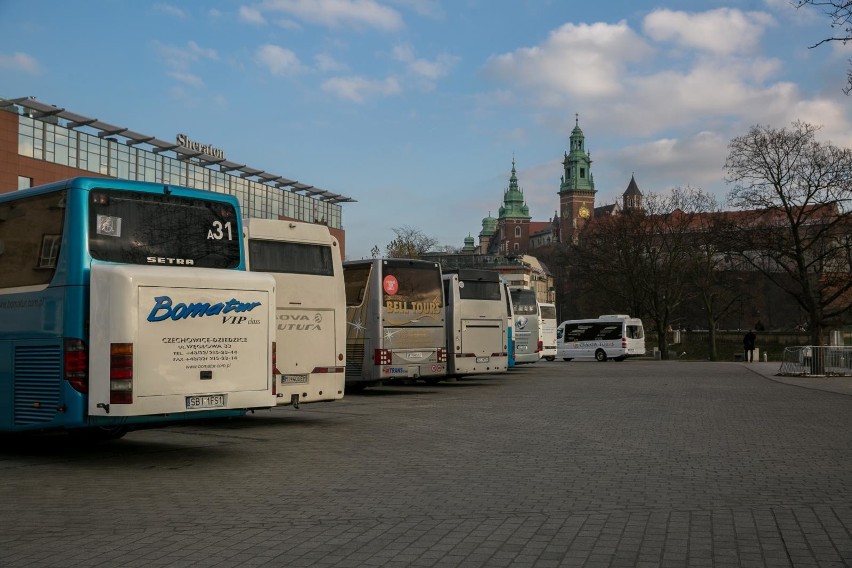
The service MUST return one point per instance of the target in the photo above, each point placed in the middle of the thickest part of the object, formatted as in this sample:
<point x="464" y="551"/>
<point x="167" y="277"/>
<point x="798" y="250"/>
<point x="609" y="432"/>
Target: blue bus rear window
<point x="158" y="229"/>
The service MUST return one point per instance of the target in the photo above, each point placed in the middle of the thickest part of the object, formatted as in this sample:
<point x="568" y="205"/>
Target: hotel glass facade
<point x="58" y="141"/>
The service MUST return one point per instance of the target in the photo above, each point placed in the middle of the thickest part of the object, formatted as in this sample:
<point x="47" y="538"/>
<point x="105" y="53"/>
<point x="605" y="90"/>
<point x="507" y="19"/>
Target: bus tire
<point x="567" y="358"/>
<point x="549" y="358"/>
<point x="600" y="355"/>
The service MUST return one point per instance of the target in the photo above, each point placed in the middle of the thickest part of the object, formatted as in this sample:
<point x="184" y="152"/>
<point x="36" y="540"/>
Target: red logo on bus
<point x="390" y="285"/>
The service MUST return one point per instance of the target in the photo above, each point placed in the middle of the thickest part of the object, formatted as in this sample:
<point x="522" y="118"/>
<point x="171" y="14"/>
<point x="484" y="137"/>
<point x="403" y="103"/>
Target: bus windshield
<point x="524" y="302"/>
<point x="479" y="290"/>
<point x="415" y="284"/>
<point x="146" y="228"/>
<point x="290" y="258"/>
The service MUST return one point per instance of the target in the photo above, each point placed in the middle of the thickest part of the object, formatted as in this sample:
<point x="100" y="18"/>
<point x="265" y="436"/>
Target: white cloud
<point x="423" y="68"/>
<point x="170" y="10"/>
<point x="586" y="60"/>
<point x="326" y="63"/>
<point x="251" y="15"/>
<point x="182" y="57"/>
<point x="723" y="31"/>
<point x="187" y="78"/>
<point x="428" y="8"/>
<point x="358" y="89"/>
<point x="339" y="13"/>
<point x="278" y="60"/>
<point x="19" y="62"/>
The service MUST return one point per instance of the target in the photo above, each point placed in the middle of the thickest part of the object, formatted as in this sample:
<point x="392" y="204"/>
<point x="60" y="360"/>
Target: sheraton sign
<point x="184" y="141"/>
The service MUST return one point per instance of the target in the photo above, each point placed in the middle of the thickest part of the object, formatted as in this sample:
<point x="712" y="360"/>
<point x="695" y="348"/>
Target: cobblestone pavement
<point x="640" y="463"/>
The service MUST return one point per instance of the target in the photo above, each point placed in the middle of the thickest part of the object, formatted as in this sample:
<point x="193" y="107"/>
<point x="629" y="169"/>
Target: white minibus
<point x="607" y="337"/>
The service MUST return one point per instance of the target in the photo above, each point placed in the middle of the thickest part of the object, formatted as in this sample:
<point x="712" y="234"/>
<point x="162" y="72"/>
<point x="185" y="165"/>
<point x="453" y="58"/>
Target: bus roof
<point x="287" y="230"/>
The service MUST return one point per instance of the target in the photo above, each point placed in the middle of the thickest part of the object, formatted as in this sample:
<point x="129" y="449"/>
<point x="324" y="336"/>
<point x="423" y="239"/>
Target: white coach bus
<point x="607" y="337"/>
<point x="395" y="317"/>
<point x="310" y="315"/>
<point x="548" y="331"/>
<point x="477" y="340"/>
<point x="527" y="321"/>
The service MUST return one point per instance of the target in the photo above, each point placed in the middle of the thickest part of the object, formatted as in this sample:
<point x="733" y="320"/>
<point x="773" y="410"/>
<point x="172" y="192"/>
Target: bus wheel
<point x="600" y="355"/>
<point x="549" y="358"/>
<point x="567" y="358"/>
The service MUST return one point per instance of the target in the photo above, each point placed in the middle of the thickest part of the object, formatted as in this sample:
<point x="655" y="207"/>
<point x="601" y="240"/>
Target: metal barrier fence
<point x="817" y="361"/>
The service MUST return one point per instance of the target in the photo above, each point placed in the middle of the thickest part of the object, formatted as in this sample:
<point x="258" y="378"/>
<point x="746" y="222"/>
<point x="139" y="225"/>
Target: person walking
<point x="748" y="345"/>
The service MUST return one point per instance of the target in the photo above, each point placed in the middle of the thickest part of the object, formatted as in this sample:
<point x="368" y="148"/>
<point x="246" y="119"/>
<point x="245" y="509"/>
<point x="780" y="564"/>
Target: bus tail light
<point x="76" y="362"/>
<point x="539" y="347"/>
<point x="121" y="373"/>
<point x="442" y="355"/>
<point x="382" y="357"/>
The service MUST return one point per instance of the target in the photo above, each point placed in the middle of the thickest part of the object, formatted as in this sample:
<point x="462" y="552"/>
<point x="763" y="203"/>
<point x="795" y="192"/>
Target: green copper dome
<point x="513" y="200"/>
<point x="489" y="226"/>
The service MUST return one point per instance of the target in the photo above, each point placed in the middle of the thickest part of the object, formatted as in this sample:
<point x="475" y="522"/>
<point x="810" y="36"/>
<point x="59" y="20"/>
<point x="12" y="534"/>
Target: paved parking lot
<point x="640" y="463"/>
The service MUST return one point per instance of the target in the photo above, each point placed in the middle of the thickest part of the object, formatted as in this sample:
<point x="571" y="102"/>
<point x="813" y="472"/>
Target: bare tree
<point x="641" y="259"/>
<point x="709" y="265"/>
<point x="797" y="194"/>
<point x="409" y="243"/>
<point x="840" y="12"/>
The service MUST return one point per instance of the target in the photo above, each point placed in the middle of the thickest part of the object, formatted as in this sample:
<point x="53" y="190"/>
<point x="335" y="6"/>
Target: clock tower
<point x="577" y="190"/>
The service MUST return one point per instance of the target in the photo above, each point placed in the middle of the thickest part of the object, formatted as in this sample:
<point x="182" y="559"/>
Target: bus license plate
<point x="206" y="401"/>
<point x="483" y="359"/>
<point x="294" y="379"/>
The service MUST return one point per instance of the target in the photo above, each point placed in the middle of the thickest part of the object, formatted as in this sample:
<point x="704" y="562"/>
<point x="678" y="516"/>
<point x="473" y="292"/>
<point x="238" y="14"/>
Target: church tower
<point x="513" y="221"/>
<point x="577" y="190"/>
<point x="632" y="197"/>
<point x="489" y="229"/>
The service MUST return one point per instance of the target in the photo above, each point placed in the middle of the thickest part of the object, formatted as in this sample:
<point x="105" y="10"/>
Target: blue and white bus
<point x="124" y="304"/>
<point x="527" y="321"/>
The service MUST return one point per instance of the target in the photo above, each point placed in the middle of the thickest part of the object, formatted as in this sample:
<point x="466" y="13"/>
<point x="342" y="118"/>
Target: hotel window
<point x="30" y="138"/>
<point x="149" y="167"/>
<point x="24" y="182"/>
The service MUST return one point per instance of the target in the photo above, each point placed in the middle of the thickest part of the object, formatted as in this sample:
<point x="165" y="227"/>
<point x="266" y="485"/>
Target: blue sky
<point x="416" y="108"/>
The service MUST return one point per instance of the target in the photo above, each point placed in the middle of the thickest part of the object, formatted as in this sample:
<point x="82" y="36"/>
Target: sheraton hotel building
<point x="41" y="143"/>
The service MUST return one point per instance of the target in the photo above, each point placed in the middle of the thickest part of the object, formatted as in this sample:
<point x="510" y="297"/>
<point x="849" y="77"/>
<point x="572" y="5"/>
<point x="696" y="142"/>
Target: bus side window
<point x="31" y="234"/>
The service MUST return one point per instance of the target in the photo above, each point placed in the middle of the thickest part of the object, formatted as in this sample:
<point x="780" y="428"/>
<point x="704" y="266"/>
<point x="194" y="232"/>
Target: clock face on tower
<point x="583" y="212"/>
